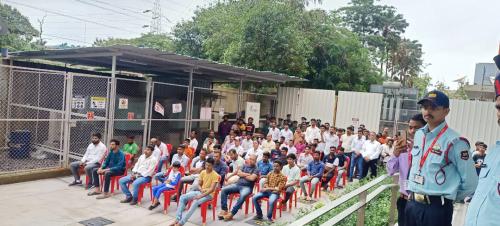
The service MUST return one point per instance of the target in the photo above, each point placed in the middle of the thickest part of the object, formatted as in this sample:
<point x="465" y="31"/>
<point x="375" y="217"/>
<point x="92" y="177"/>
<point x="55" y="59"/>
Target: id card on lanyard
<point x="419" y="179"/>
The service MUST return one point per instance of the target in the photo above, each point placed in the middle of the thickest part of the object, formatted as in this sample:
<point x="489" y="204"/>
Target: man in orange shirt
<point x="189" y="151"/>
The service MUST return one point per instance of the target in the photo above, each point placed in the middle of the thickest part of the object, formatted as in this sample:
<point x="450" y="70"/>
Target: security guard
<point x="483" y="209"/>
<point x="441" y="168"/>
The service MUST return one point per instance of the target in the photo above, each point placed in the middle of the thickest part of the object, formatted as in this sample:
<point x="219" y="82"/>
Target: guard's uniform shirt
<point x="483" y="209"/>
<point x="448" y="169"/>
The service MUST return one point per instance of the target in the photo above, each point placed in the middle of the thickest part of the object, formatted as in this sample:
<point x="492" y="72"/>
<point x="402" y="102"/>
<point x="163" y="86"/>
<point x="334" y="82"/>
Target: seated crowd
<point x="242" y="163"/>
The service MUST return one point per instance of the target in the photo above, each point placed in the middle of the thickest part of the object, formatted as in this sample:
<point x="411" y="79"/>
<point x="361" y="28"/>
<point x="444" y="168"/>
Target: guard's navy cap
<point x="437" y="98"/>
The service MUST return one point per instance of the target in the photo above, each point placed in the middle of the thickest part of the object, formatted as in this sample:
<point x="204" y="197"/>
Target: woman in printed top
<point x="173" y="179"/>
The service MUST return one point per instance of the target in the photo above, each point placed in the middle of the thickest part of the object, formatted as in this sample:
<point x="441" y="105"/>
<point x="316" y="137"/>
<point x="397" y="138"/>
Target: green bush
<point x="376" y="212"/>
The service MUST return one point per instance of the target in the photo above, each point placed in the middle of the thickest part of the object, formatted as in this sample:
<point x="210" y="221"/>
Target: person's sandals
<point x="154" y="206"/>
<point x="93" y="193"/>
<point x="222" y="214"/>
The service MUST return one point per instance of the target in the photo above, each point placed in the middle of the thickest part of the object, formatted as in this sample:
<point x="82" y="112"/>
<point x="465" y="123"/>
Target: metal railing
<point x="359" y="207"/>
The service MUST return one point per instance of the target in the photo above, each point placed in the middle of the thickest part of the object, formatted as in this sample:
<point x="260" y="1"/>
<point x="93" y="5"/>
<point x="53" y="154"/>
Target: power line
<point x="69" y="16"/>
<point x="125" y="9"/>
<point x="65" y="38"/>
<point x="107" y="9"/>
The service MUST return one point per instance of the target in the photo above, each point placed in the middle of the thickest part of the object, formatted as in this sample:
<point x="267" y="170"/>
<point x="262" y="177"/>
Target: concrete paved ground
<point x="52" y="202"/>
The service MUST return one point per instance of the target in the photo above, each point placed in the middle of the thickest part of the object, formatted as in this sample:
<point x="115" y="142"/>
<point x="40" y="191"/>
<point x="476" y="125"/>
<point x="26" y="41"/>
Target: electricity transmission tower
<point x="156" y="18"/>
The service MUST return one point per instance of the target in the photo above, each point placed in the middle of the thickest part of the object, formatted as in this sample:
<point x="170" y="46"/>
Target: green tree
<point x="21" y="32"/>
<point x="381" y="28"/>
<point x="160" y="42"/>
<point x="421" y="83"/>
<point x="280" y="36"/>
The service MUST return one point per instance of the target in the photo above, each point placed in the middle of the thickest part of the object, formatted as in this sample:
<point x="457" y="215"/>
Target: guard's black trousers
<point x="401" y="204"/>
<point x="434" y="214"/>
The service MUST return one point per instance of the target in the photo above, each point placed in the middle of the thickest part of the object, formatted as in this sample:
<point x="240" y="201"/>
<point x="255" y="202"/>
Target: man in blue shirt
<point x="441" y="168"/>
<point x="114" y="165"/>
<point x="315" y="171"/>
<point x="483" y="209"/>
<point x="265" y="167"/>
<point x="244" y="187"/>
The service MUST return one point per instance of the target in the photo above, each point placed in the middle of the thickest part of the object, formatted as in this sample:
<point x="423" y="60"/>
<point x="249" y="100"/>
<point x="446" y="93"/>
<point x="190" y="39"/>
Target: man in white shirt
<point x="193" y="142"/>
<point x="247" y="142"/>
<point x="179" y="157"/>
<point x="160" y="152"/>
<point x="286" y="132"/>
<point x="237" y="146"/>
<point x="371" y="152"/>
<point x="274" y="132"/>
<point x="331" y="140"/>
<point x="291" y="149"/>
<point x="356" y="157"/>
<point x="211" y="135"/>
<point x="312" y="132"/>
<point x="91" y="160"/>
<point x="255" y="150"/>
<point x="268" y="144"/>
<point x="292" y="173"/>
<point x="141" y="174"/>
<point x="305" y="158"/>
<point x="347" y="140"/>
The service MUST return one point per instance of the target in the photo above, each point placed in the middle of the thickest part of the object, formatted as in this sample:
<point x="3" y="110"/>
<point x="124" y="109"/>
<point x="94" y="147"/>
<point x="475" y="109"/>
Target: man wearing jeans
<point x="90" y="160"/>
<point x="197" y="165"/>
<point x="292" y="173"/>
<point x="208" y="182"/>
<point x="274" y="185"/>
<point x="114" y="165"/>
<point x="141" y="174"/>
<point x="315" y="170"/>
<point x="244" y="186"/>
<point x="356" y="157"/>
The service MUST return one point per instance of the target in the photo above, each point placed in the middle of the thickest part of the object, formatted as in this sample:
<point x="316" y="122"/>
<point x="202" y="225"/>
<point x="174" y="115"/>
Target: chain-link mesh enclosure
<point x="47" y="117"/>
<point x="32" y="109"/>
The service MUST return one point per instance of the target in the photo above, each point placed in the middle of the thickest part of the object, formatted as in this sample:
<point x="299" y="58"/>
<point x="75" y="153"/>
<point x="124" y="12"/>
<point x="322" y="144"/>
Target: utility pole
<point x="156" y="18"/>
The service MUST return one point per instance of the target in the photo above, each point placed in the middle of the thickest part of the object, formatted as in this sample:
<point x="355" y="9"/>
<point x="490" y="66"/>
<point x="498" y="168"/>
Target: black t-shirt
<point x="342" y="159"/>
<point x="479" y="159"/>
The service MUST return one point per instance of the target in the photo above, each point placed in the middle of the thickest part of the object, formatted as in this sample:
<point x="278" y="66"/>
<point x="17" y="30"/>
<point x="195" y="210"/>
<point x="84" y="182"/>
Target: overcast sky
<point x="456" y="34"/>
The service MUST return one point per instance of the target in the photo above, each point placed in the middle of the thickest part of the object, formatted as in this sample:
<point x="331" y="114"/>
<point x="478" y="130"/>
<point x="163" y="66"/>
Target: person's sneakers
<point x="76" y="182"/>
<point x="228" y="217"/>
<point x="257" y="218"/>
<point x="133" y="203"/>
<point x="127" y="200"/>
<point x="103" y="196"/>
<point x="154" y="206"/>
<point x="93" y="193"/>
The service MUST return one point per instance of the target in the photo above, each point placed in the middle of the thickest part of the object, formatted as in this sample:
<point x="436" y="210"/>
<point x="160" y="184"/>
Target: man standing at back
<point x="483" y="209"/>
<point x="441" y="168"/>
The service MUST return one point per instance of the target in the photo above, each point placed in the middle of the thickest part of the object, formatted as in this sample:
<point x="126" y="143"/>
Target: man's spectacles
<point x="497" y="107"/>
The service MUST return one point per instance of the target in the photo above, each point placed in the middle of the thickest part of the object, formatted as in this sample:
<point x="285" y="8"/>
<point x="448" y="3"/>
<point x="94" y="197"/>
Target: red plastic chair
<point x="168" y="194"/>
<point x="204" y="206"/>
<point x="149" y="185"/>
<point x="277" y="205"/>
<point x="237" y="196"/>
<point x="317" y="191"/>
<point x="115" y="179"/>
<point x="87" y="177"/>
<point x="344" y="175"/>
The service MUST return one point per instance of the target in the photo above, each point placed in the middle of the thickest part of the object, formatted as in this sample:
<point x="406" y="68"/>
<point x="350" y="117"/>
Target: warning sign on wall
<point x="98" y="102"/>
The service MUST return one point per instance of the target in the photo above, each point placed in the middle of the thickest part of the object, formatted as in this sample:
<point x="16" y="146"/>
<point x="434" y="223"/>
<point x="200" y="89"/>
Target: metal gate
<point x="31" y="119"/>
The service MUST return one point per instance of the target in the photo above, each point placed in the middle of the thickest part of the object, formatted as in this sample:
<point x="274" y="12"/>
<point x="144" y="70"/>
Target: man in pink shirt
<point x="399" y="162"/>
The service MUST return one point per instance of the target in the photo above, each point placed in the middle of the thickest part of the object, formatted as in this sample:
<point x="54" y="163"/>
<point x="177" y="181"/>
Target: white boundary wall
<point x="310" y="103"/>
<point x="363" y="106"/>
<point x="475" y="120"/>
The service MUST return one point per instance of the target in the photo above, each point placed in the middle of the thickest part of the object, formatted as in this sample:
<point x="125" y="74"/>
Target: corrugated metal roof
<point x="151" y="61"/>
